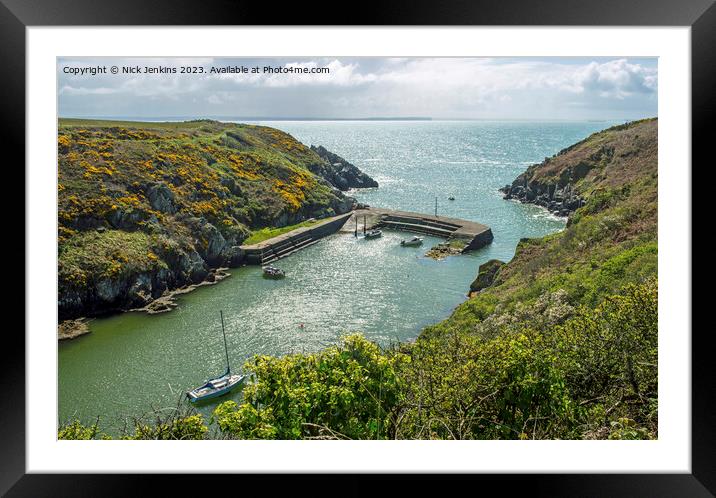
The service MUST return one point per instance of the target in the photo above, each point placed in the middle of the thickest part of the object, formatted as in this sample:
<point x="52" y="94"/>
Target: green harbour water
<point x="132" y="363"/>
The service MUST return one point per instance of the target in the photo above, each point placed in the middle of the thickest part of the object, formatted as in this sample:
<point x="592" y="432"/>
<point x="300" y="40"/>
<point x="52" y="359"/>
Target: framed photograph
<point x="446" y="239"/>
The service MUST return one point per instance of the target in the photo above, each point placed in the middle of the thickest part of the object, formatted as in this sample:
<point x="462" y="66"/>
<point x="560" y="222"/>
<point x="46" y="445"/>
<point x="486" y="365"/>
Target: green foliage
<point x="462" y="387"/>
<point x="613" y="346"/>
<point x="109" y="254"/>
<point x="179" y="428"/>
<point x="606" y="245"/>
<point x="180" y="425"/>
<point x="543" y="371"/>
<point x="268" y="233"/>
<point x="634" y="264"/>
<point x="343" y="391"/>
<point x="626" y="428"/>
<point x="75" y="430"/>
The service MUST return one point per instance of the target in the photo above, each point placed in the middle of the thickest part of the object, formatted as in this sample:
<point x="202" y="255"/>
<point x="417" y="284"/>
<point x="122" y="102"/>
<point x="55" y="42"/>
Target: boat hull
<point x="273" y="272"/>
<point x="414" y="242"/>
<point x="206" y="392"/>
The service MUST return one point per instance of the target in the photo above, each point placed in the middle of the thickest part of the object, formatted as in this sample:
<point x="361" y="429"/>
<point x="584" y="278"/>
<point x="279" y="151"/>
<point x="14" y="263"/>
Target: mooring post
<point x="356" y="234"/>
<point x="364" y="216"/>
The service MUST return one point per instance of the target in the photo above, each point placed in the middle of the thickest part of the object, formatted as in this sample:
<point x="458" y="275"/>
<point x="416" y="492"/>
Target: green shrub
<point x="343" y="391"/>
<point x="75" y="430"/>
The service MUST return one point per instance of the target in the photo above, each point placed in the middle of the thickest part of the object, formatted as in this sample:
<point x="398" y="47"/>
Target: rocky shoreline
<point x="72" y="329"/>
<point x="167" y="301"/>
<point x="554" y="183"/>
<point x="77" y="327"/>
<point x="186" y="268"/>
<point x="560" y="201"/>
<point x="339" y="172"/>
<point x="444" y="249"/>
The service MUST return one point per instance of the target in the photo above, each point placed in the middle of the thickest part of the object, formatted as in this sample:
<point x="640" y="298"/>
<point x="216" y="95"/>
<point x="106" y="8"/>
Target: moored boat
<point x="273" y="272"/>
<point x="373" y="234"/>
<point x="218" y="386"/>
<point x="412" y="242"/>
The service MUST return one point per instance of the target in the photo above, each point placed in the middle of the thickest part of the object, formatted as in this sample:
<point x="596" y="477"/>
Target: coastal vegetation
<point x="144" y="208"/>
<point x="558" y="343"/>
<point x="269" y="233"/>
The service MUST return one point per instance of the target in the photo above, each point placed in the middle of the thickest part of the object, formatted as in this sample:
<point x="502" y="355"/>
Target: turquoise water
<point x="132" y="363"/>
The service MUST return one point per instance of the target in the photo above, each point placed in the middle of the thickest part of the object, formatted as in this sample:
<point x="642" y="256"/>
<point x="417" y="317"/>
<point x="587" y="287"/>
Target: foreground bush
<point x="180" y="424"/>
<point x="343" y="391"/>
<point x="593" y="375"/>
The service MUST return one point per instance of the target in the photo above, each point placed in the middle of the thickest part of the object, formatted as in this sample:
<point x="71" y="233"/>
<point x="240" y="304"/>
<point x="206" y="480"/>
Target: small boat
<point x="218" y="386"/>
<point x="273" y="272"/>
<point x="373" y="234"/>
<point x="413" y="242"/>
<point x="451" y="198"/>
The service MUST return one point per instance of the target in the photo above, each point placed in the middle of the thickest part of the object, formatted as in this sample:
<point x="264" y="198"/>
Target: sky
<point x="528" y="88"/>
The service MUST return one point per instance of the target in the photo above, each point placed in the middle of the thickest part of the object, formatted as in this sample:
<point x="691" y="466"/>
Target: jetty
<point x="270" y="250"/>
<point x="474" y="235"/>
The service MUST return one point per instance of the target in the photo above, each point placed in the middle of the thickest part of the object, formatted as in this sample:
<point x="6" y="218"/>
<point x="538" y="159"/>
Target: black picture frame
<point x="700" y="15"/>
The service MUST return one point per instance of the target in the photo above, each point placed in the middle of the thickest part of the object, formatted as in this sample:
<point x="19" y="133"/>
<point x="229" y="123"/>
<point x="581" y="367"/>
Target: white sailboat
<point x="218" y="386"/>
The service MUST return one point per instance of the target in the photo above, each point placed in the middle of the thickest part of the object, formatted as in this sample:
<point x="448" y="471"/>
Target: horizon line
<point x="305" y="118"/>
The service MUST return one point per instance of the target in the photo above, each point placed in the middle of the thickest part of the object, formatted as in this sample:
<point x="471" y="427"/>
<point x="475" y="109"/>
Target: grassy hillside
<point x="145" y="207"/>
<point x="609" y="242"/>
<point x="559" y="343"/>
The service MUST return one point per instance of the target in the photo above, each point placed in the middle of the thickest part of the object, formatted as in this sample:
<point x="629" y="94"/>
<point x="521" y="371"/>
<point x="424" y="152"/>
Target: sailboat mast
<point x="226" y="348"/>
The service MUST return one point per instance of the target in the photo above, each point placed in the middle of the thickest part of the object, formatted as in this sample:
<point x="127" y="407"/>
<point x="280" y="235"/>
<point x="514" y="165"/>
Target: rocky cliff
<point x="144" y="208"/>
<point x="486" y="275"/>
<point x="340" y="172"/>
<point x="605" y="159"/>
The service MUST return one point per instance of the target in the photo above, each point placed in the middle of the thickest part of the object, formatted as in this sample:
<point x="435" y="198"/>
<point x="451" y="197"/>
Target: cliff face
<point x="486" y="275"/>
<point x="147" y="207"/>
<point x="607" y="159"/>
<point x="340" y="172"/>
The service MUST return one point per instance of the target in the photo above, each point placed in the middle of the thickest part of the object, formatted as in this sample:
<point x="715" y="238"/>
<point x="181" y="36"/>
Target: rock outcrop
<point x="560" y="200"/>
<point x="444" y="249"/>
<point x="339" y="172"/>
<point x="562" y="183"/>
<point x="71" y="329"/>
<point x="486" y="275"/>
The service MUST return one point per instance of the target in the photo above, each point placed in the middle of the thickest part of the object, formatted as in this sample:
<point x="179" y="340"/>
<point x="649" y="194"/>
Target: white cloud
<point x="438" y="87"/>
<point x="617" y="79"/>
